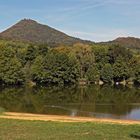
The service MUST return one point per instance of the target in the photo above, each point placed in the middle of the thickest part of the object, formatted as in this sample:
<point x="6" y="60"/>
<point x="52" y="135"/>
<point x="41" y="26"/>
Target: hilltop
<point x="30" y="31"/>
<point x="127" y="42"/>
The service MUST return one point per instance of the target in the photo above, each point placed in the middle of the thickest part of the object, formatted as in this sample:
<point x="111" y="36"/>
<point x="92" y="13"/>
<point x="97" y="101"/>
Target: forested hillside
<point x="128" y="42"/>
<point x="30" y="31"/>
<point x="27" y="56"/>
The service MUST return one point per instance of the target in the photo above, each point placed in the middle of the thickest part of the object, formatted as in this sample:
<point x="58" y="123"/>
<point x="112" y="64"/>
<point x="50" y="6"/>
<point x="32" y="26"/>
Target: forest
<point x="22" y="63"/>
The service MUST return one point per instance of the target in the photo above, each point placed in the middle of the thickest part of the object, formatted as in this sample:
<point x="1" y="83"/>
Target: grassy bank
<point x="40" y="130"/>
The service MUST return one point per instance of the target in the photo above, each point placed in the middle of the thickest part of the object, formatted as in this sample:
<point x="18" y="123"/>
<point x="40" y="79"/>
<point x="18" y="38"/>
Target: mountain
<point x="28" y="30"/>
<point x="128" y="42"/>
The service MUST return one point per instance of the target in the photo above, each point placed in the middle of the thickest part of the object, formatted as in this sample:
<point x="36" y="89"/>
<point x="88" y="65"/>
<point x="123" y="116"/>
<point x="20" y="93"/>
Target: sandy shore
<point x="27" y="116"/>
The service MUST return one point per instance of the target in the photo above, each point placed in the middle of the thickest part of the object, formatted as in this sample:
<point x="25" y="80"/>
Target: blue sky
<point x="97" y="20"/>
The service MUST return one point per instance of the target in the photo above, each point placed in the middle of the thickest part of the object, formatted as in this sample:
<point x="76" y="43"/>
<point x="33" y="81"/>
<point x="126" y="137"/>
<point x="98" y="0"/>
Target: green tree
<point x="107" y="73"/>
<point x="84" y="56"/>
<point x="30" y="53"/>
<point x="93" y="74"/>
<point x="10" y="67"/>
<point x="55" y="68"/>
<point x="101" y="55"/>
<point x="42" y="49"/>
<point x="116" y="51"/>
<point x="137" y="74"/>
<point x="121" y="70"/>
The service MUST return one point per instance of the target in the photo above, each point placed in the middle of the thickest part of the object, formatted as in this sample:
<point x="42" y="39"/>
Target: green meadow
<point x="40" y="130"/>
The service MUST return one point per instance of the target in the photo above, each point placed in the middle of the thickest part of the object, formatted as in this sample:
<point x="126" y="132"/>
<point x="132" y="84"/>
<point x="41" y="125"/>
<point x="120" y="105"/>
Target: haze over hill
<point x="28" y="30"/>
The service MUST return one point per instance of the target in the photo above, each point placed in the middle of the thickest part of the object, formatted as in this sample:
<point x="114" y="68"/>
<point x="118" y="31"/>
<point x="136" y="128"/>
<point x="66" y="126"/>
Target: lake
<point x="91" y="101"/>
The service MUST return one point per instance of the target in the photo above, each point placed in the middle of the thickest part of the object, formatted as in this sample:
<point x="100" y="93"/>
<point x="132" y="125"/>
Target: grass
<point x="39" y="130"/>
<point x="2" y="110"/>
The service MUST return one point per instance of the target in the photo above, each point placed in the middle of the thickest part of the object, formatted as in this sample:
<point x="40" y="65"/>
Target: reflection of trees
<point x="120" y="99"/>
<point x="104" y="99"/>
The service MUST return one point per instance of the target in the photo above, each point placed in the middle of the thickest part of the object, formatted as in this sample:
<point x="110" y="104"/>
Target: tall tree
<point x="107" y="73"/>
<point x="93" y="74"/>
<point x="121" y="70"/>
<point x="85" y="57"/>
<point x="10" y="67"/>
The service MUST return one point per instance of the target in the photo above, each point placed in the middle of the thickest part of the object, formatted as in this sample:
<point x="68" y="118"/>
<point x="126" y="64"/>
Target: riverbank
<point x="57" y="118"/>
<point x="15" y="129"/>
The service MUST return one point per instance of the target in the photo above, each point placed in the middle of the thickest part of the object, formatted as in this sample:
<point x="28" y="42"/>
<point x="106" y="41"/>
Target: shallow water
<point x="92" y="101"/>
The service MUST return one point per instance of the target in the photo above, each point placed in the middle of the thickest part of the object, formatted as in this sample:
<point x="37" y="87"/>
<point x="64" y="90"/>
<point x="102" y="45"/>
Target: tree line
<point x="22" y="63"/>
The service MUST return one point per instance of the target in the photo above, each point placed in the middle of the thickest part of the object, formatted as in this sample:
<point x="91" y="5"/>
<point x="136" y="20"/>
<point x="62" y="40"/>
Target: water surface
<point x="92" y="101"/>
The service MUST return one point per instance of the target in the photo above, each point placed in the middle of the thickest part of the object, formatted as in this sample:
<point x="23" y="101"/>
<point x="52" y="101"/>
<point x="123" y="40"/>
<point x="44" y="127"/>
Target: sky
<point x="96" y="20"/>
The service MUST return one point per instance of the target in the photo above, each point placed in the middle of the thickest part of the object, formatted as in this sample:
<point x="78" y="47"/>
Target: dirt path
<point x="27" y="116"/>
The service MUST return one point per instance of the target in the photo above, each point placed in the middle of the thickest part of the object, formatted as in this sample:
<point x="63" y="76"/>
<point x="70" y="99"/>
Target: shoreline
<point x="57" y="118"/>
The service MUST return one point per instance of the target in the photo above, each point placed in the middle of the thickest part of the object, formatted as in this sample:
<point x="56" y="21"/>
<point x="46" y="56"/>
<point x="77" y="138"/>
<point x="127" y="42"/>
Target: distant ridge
<point x="128" y="42"/>
<point x="28" y="30"/>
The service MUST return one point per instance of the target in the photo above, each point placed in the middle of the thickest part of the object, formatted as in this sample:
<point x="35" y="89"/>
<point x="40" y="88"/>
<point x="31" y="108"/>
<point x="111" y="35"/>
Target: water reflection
<point x="92" y="101"/>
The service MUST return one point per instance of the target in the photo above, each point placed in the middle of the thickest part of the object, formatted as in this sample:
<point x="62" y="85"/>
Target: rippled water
<point x="92" y="101"/>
